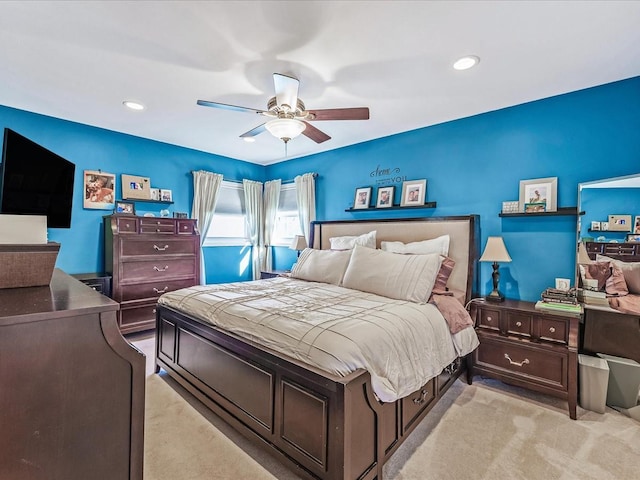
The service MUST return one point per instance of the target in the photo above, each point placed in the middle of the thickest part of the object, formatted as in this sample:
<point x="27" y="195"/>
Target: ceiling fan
<point x="287" y="115"/>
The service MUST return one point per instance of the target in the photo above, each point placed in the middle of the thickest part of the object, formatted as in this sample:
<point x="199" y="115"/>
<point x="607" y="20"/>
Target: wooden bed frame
<point x="323" y="425"/>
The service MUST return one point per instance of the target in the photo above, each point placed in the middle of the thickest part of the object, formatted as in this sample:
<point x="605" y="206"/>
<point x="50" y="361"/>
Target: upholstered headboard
<point x="464" y="232"/>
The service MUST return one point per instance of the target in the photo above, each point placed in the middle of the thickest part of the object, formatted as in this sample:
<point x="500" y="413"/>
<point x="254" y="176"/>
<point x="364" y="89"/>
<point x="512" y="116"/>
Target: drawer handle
<point x="422" y="398"/>
<point x="489" y="319"/>
<point x="517" y="364"/>
<point x="518" y="324"/>
<point x="161" y="249"/>
<point x="158" y="222"/>
<point x="164" y="290"/>
<point x="552" y="329"/>
<point x="153" y="311"/>
<point x="158" y="269"/>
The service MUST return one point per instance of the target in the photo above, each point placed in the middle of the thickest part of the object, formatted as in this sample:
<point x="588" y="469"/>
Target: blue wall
<point x="599" y="203"/>
<point x="474" y="164"/>
<point x="92" y="148"/>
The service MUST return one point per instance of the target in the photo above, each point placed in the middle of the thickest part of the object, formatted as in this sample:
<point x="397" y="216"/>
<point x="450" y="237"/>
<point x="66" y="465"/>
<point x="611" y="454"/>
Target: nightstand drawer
<point x="519" y="323"/>
<point x="489" y="318"/>
<point x="530" y="363"/>
<point x="554" y="330"/>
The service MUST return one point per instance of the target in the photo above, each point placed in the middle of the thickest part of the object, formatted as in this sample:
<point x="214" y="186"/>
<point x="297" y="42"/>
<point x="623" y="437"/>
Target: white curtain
<point x="271" y="200"/>
<point x="254" y="214"/>
<point x="306" y="196"/>
<point x="206" y="186"/>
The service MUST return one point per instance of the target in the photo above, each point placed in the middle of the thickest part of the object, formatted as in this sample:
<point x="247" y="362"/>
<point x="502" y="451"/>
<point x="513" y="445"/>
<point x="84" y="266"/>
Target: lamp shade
<point x="495" y="251"/>
<point x="285" y="128"/>
<point x="298" y="243"/>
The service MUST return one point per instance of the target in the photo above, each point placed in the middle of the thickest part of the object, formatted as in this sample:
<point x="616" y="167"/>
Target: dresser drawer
<point x="554" y="330"/>
<point x="186" y="227"/>
<point x="415" y="403"/>
<point x="519" y="323"/>
<point x="522" y="360"/>
<point x="489" y="319"/>
<point x="127" y="224"/>
<point x="157" y="225"/>
<point x="156" y="270"/>
<point x="158" y="247"/>
<point x="137" y="318"/>
<point x="152" y="289"/>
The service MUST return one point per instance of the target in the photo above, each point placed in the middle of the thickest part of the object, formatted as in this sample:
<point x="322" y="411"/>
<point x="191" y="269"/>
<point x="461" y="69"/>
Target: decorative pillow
<point x="446" y="267"/>
<point x="326" y="266"/>
<point x="404" y="277"/>
<point x="349" y="241"/>
<point x="453" y="312"/>
<point x="616" y="284"/>
<point x="599" y="271"/>
<point x="630" y="270"/>
<point x="435" y="245"/>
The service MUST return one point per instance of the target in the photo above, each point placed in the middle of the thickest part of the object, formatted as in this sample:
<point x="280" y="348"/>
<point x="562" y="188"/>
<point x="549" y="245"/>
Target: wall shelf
<point x="560" y="211"/>
<point x="394" y="207"/>
<point x="141" y="200"/>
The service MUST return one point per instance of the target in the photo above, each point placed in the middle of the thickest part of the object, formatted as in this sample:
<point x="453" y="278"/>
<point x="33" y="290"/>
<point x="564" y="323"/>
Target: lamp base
<point x="495" y="296"/>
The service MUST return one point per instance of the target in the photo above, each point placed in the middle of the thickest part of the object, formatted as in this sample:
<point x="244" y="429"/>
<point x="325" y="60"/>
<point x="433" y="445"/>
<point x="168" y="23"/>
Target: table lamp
<point x="298" y="243"/>
<point x="495" y="251"/>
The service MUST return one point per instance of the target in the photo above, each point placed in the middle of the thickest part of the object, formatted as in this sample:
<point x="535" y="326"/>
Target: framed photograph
<point x="180" y="215"/>
<point x="563" y="284"/>
<point x="99" y="190"/>
<point x="414" y="192"/>
<point x="155" y="193"/>
<point x="633" y="238"/>
<point x="362" y="197"/>
<point x="124" y="208"/>
<point x="540" y="190"/>
<point x="385" y="197"/>
<point x="595" y="226"/>
<point x="636" y="225"/>
<point x="135" y="187"/>
<point x="534" y="207"/>
<point x="620" y="223"/>
<point x="166" y="195"/>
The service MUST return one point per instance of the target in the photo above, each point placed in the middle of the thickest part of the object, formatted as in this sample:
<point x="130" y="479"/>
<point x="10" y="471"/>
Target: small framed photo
<point x="99" y="190"/>
<point x="362" y="198"/>
<point x="414" y="192"/>
<point x="385" y="197"/>
<point x="633" y="238"/>
<point x="540" y="190"/>
<point x="180" y="215"/>
<point x="125" y="208"/>
<point x="595" y="226"/>
<point x="166" y="195"/>
<point x="155" y="193"/>
<point x="534" y="207"/>
<point x="636" y="225"/>
<point x="563" y="284"/>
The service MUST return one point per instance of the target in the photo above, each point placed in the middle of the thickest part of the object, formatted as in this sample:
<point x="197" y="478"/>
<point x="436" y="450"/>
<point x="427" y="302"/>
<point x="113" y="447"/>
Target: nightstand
<point x="100" y="282"/>
<point x="271" y="273"/>
<point x="529" y="348"/>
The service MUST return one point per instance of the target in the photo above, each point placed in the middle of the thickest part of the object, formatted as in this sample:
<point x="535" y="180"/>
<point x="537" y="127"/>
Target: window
<point x="228" y="226"/>
<point x="287" y="221"/>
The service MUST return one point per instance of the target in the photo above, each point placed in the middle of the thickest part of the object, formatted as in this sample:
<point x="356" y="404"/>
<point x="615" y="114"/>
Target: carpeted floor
<point x="485" y="431"/>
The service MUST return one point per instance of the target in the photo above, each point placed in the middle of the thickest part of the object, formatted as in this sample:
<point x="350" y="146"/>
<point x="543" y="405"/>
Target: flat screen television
<point x="35" y="181"/>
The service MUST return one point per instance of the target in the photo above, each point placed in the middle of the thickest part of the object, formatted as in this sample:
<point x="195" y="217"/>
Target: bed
<point x="326" y="425"/>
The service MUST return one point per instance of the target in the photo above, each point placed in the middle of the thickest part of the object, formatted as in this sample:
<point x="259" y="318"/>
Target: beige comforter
<point x="339" y="330"/>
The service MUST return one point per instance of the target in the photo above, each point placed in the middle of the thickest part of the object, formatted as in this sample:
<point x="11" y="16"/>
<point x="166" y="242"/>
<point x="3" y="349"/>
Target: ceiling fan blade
<point x="286" y="90"/>
<point x="254" y="131"/>
<point x="314" y="134"/>
<point x="358" y="113"/>
<point x="224" y="106"/>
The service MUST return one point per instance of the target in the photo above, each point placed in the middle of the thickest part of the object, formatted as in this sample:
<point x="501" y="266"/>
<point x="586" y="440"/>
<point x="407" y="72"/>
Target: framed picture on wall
<point x="124" y="208"/>
<point x="99" y="190"/>
<point x="385" y="197"/>
<point x="362" y="197"/>
<point x="413" y="192"/>
<point x="540" y="191"/>
<point x="166" y="195"/>
<point x="636" y="225"/>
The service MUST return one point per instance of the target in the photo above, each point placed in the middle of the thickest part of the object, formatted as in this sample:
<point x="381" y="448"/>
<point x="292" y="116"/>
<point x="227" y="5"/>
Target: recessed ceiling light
<point x="467" y="62"/>
<point x="249" y="139"/>
<point x="133" y="105"/>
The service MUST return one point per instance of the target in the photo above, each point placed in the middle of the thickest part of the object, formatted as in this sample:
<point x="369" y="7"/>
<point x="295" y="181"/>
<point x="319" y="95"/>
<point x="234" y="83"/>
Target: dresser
<point x="146" y="257"/>
<point x="529" y="348"/>
<point x="71" y="387"/>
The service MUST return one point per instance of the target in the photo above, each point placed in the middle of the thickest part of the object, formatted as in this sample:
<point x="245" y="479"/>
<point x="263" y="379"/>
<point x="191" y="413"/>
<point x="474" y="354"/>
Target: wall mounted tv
<point x="35" y="181"/>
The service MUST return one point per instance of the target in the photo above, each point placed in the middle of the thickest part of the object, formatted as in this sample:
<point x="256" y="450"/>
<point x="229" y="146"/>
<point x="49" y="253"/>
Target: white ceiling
<point x="79" y="60"/>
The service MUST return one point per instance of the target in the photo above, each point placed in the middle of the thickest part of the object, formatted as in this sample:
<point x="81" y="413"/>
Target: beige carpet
<point x="484" y="431"/>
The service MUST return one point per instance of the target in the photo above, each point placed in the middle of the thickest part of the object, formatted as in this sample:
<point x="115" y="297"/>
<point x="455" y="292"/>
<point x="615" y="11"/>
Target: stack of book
<point x="559" y="301"/>
<point x="593" y="297"/>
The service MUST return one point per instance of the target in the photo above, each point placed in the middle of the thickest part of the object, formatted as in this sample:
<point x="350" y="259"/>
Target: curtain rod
<point x="291" y="180"/>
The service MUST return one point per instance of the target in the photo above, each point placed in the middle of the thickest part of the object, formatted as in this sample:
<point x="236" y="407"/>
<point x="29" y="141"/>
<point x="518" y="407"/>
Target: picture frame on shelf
<point x="414" y="193"/>
<point x="155" y="193"/>
<point x="632" y="238"/>
<point x="620" y="223"/>
<point x="385" y="197"/>
<point x="180" y="215"/>
<point x="362" y="198"/>
<point x="534" y="207"/>
<point x="124" y="208"/>
<point x="99" y="190"/>
<point x="540" y="190"/>
<point x="511" y="206"/>
<point x="166" y="195"/>
<point x="135" y="187"/>
<point x="636" y="225"/>
<point x="595" y="226"/>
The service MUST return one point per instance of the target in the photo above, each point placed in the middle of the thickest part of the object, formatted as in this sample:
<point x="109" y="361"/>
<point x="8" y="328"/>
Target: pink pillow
<point x="446" y="267"/>
<point x="599" y="271"/>
<point x="616" y="284"/>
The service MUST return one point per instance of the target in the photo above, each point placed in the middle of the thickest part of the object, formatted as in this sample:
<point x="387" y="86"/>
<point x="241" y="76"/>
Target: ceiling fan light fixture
<point x="133" y="105"/>
<point x="466" y="63"/>
<point x="285" y="128"/>
<point x="249" y="139"/>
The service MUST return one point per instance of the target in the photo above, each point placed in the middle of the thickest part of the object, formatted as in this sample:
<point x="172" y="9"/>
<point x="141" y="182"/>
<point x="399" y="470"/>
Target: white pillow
<point x="404" y="277"/>
<point x="435" y="245"/>
<point x="349" y="241"/>
<point x="630" y="271"/>
<point x="326" y="266"/>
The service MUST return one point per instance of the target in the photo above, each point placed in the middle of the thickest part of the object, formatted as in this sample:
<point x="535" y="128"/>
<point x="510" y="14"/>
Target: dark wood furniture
<point x="100" y="282"/>
<point x="270" y="273"/>
<point x="326" y="426"/>
<point x="71" y="387"/>
<point x="148" y="256"/>
<point x="626" y="252"/>
<point x="529" y="348"/>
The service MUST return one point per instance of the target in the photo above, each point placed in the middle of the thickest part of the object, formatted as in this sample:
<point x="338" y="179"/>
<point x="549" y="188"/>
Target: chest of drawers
<point x="529" y="348"/>
<point x="148" y="256"/>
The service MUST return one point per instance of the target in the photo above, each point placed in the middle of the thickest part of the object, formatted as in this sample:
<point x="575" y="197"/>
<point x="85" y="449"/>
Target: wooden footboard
<point x="326" y="426"/>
